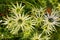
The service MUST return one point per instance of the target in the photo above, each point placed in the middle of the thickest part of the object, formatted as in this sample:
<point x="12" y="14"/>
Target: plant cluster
<point x="36" y="23"/>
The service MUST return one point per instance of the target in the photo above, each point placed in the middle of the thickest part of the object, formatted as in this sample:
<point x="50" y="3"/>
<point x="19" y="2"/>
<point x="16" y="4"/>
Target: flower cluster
<point x="19" y="20"/>
<point x="39" y="19"/>
<point x="50" y="21"/>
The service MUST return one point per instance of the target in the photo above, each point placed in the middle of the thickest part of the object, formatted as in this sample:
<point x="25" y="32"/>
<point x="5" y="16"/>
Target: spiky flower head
<point x="18" y="21"/>
<point x="17" y="8"/>
<point x="50" y="21"/>
<point x="35" y="11"/>
<point x="8" y="21"/>
<point x="38" y="18"/>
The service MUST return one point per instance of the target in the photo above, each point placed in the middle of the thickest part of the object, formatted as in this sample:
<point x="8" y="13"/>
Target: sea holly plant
<point x="50" y="21"/>
<point x="18" y="21"/>
<point x="41" y="22"/>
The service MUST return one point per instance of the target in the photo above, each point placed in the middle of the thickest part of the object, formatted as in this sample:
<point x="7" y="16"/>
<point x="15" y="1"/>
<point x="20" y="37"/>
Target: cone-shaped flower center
<point x="17" y="10"/>
<point x="20" y="21"/>
<point x="51" y="20"/>
<point x="10" y="21"/>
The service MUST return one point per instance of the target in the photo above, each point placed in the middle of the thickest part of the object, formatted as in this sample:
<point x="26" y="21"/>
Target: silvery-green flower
<point x="35" y="11"/>
<point x="9" y="22"/>
<point x="38" y="19"/>
<point x="50" y="21"/>
<point x="17" y="8"/>
<point x="18" y="21"/>
<point x="38" y="16"/>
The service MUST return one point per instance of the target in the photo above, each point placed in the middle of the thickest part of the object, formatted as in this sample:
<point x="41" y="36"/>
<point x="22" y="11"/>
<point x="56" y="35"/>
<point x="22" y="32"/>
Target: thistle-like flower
<point x="17" y="8"/>
<point x="22" y="21"/>
<point x="38" y="19"/>
<point x="9" y="22"/>
<point x="35" y="11"/>
<point x="38" y="16"/>
<point x="50" y="21"/>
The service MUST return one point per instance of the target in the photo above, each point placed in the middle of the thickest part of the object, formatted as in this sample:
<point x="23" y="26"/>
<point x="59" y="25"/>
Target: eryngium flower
<point x="38" y="16"/>
<point x="38" y="19"/>
<point x="50" y="21"/>
<point x="17" y="8"/>
<point x="22" y="21"/>
<point x="35" y="11"/>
